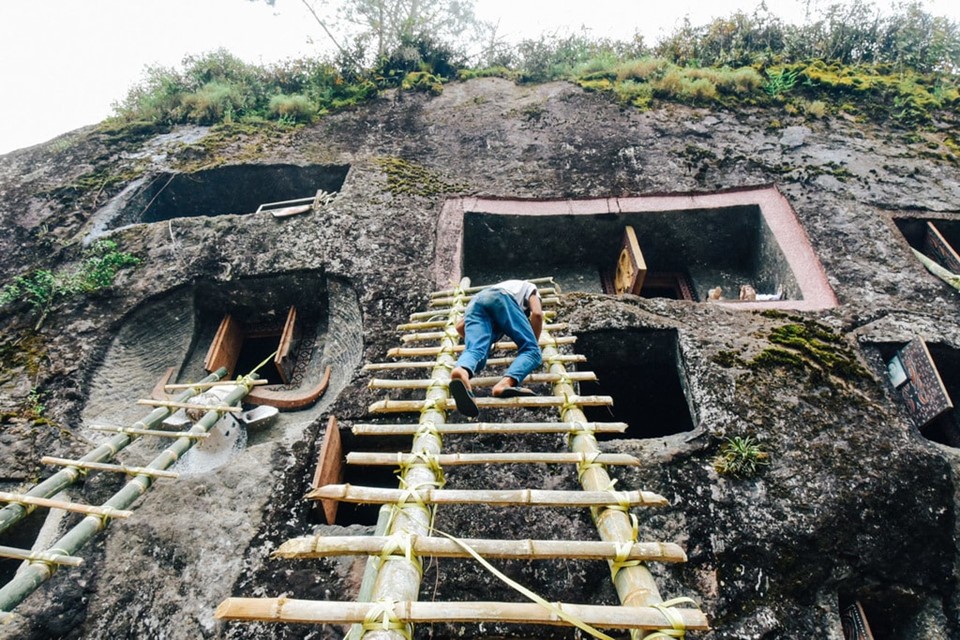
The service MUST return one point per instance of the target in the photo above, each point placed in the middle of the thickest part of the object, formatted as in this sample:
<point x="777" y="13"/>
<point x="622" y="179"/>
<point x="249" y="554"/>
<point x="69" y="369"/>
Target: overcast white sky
<point x="63" y="63"/>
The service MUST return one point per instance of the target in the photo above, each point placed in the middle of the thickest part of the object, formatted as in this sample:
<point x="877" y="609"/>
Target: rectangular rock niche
<point x="643" y="371"/>
<point x="686" y="246"/>
<point x="938" y="239"/>
<point x="236" y="189"/>
<point x="925" y="377"/>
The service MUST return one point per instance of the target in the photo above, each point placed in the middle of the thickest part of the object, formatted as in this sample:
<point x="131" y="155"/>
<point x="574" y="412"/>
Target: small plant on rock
<point x="740" y="457"/>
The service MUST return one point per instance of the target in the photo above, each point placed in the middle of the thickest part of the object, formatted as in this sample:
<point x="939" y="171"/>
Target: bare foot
<point x="505" y="383"/>
<point x="461" y="374"/>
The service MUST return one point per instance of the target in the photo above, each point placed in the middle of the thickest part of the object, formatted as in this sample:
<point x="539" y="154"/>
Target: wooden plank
<point x="324" y="546"/>
<point x="631" y="267"/>
<point x="523" y="402"/>
<point x="225" y="349"/>
<point x="115" y="468"/>
<point x="285" y="360"/>
<point x="921" y="389"/>
<point x="453" y="428"/>
<point x="457" y="459"/>
<point x="329" y="467"/>
<point x="854" y="623"/>
<point x="290" y="610"/>
<point x="73" y="507"/>
<point x="500" y="498"/>
<point x="40" y="556"/>
<point x="937" y="247"/>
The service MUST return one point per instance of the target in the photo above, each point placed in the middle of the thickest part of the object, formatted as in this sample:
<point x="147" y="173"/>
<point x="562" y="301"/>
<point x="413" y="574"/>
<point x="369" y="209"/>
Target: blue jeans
<point x="490" y="314"/>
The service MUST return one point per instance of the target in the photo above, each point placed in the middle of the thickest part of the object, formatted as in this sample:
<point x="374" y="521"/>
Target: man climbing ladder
<point x="511" y="307"/>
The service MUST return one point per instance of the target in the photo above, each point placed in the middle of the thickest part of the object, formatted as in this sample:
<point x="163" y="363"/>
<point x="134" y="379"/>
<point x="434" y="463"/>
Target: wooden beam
<point x="115" y="468"/>
<point x="500" y="498"/>
<point x="323" y="546"/>
<point x="289" y="610"/>
<point x="490" y="427"/>
<point x="457" y="459"/>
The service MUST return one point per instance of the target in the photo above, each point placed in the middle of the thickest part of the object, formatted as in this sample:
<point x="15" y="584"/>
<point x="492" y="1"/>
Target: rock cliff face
<point x="855" y="505"/>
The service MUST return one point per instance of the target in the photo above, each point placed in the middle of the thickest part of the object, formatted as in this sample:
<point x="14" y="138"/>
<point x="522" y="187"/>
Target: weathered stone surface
<point x="855" y="503"/>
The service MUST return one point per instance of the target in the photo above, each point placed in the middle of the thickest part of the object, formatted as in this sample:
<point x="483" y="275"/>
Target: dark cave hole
<point x="879" y="613"/>
<point x="237" y="189"/>
<point x="938" y="239"/>
<point x="642" y="370"/>
<point x="253" y="352"/>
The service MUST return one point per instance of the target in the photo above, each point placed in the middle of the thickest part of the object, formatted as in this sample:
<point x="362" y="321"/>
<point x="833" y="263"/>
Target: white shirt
<point x="519" y="290"/>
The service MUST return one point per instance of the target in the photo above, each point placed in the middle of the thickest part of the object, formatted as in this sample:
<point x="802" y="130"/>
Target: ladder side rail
<point x="634" y="583"/>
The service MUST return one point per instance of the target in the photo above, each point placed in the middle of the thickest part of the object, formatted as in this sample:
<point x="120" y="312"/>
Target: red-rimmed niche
<point x="691" y="244"/>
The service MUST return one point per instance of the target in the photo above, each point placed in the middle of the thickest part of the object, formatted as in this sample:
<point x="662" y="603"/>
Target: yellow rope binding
<point x="383" y="615"/>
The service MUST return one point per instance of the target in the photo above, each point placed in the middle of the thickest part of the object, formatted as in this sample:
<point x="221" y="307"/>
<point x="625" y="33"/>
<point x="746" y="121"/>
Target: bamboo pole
<point x="545" y="294"/>
<point x="400" y="578"/>
<point x="321" y="546"/>
<point x="186" y="405"/>
<point x="202" y="386"/>
<point x="482" y="381"/>
<point x="151" y="432"/>
<point x="29" y="578"/>
<point x="490" y="427"/>
<point x="455" y="459"/>
<point x="438" y="335"/>
<point x="548" y="314"/>
<point x="73" y="507"/>
<point x="441" y="311"/>
<point x="492" y="362"/>
<point x="40" y="556"/>
<point x="56" y="483"/>
<point x="414" y="352"/>
<point x="446" y="293"/>
<point x="526" y="402"/>
<point x="493" y="497"/>
<point x="116" y="468"/>
<point x="634" y="583"/>
<point x="289" y="610"/>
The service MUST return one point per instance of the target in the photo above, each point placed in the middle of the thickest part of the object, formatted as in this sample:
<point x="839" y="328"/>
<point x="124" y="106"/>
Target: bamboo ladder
<point x="387" y="606"/>
<point x="41" y="565"/>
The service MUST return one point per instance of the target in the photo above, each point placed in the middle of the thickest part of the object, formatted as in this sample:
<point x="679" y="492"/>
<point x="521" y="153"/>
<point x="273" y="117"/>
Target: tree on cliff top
<point x="378" y="28"/>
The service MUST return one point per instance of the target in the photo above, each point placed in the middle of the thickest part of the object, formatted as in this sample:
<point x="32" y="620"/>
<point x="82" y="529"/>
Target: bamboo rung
<point x="439" y="311"/>
<point x="151" y="432"/>
<point x="455" y="459"/>
<point x="527" y="402"/>
<point x="430" y="364"/>
<point x="489" y="427"/>
<point x="480" y="287"/>
<point x="289" y="610"/>
<point x="40" y="556"/>
<point x="321" y="546"/>
<point x="439" y="324"/>
<point x="74" y="507"/>
<point x="186" y="405"/>
<point x="547" y="293"/>
<point x="439" y="335"/>
<point x="414" y="352"/>
<point x="208" y="385"/>
<point x="116" y="468"/>
<point x="501" y="498"/>
<point x="485" y="381"/>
